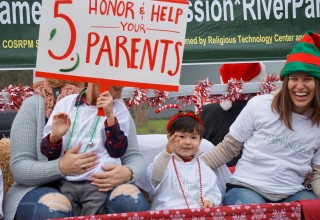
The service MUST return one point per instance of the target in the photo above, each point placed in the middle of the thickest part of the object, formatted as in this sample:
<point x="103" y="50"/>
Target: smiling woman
<point x="279" y="133"/>
<point x="302" y="91"/>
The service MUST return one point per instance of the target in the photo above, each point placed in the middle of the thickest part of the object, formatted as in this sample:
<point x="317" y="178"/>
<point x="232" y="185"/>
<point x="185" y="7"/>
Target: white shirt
<point x="85" y="122"/>
<point x="275" y="159"/>
<point x="168" y="195"/>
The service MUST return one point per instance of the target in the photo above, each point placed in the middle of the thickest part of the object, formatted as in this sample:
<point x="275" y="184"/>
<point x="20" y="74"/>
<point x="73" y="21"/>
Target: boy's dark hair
<point x="186" y="123"/>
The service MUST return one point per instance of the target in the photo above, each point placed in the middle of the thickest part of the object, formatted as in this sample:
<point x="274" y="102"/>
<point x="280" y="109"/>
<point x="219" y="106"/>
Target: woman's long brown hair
<point x="282" y="104"/>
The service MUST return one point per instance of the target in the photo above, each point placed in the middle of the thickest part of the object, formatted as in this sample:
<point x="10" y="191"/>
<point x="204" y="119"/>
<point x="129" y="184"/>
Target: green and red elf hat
<point x="304" y="57"/>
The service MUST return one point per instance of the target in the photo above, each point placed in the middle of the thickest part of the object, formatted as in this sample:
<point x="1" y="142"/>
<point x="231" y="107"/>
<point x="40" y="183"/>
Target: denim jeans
<point x="29" y="207"/>
<point x="127" y="203"/>
<point x="240" y="195"/>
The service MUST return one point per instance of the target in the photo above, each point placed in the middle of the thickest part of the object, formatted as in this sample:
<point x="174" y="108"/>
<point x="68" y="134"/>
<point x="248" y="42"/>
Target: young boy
<point x="74" y="123"/>
<point x="179" y="177"/>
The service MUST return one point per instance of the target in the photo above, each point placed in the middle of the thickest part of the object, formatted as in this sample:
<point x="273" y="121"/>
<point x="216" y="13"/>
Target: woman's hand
<point x="112" y="176"/>
<point x="75" y="163"/>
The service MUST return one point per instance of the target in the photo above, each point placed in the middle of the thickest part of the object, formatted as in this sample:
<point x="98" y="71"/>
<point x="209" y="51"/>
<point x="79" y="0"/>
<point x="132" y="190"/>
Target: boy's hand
<point x="105" y="101"/>
<point x="173" y="141"/>
<point x="60" y="125"/>
<point x="207" y="204"/>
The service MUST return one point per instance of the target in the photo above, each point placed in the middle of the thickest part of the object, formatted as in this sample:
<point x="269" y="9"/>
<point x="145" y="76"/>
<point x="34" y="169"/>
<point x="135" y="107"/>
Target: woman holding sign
<point x="34" y="194"/>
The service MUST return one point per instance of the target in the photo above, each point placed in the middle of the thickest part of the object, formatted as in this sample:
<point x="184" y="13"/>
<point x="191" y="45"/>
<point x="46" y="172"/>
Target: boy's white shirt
<point x="168" y="195"/>
<point x="86" y="120"/>
<point x="152" y="144"/>
<point x="278" y="158"/>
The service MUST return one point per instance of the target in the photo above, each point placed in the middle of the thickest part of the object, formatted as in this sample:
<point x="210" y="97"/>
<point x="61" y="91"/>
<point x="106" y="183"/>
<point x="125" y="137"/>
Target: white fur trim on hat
<point x="260" y="77"/>
<point x="226" y="105"/>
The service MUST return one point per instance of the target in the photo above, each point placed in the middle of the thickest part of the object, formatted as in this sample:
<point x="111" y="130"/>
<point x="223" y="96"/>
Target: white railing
<point x="184" y="90"/>
<point x="216" y="89"/>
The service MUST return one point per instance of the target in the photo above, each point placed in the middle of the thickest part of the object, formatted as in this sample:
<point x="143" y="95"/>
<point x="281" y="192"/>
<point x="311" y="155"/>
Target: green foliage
<point x="15" y="77"/>
<point x="153" y="127"/>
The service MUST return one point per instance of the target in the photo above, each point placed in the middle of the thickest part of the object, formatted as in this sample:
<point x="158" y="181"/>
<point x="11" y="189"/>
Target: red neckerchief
<point x="186" y="160"/>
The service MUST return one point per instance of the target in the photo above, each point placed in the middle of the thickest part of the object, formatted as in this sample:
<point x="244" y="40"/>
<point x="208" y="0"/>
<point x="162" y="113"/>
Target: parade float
<point x="142" y="46"/>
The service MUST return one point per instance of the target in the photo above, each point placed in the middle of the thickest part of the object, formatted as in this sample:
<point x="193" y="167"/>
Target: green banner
<point x="19" y="28"/>
<point x="246" y="30"/>
<point x="217" y="31"/>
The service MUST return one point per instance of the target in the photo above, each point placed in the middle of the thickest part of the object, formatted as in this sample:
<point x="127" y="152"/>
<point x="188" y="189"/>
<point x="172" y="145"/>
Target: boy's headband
<point x="179" y="114"/>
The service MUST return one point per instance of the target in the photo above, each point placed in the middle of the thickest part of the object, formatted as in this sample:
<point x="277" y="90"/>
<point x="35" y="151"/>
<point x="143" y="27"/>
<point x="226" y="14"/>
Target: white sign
<point x="130" y="43"/>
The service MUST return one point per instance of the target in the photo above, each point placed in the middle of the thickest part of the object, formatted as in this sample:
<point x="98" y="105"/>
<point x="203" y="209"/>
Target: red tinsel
<point x="15" y="96"/>
<point x="159" y="98"/>
<point x="201" y="93"/>
<point x="214" y="98"/>
<point x="12" y="97"/>
<point x="267" y="86"/>
<point x="234" y="89"/>
<point x="184" y="100"/>
<point x="2" y="102"/>
<point x="138" y="96"/>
